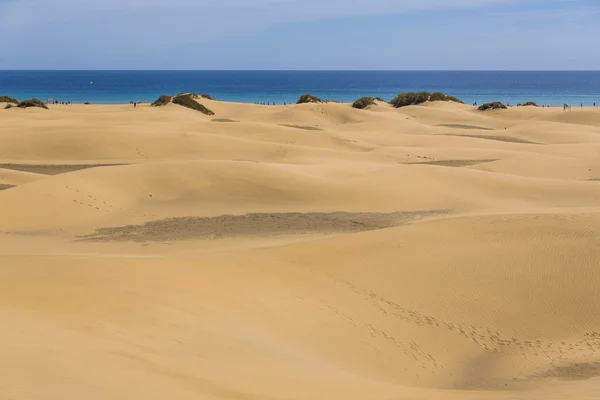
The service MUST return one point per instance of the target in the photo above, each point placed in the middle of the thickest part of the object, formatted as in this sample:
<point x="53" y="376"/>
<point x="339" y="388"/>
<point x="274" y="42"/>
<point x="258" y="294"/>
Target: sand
<point x="299" y="252"/>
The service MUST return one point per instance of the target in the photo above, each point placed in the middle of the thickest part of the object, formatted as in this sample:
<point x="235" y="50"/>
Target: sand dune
<point x="300" y="251"/>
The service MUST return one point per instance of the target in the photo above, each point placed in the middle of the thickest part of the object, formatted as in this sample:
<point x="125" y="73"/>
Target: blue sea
<point x="549" y="88"/>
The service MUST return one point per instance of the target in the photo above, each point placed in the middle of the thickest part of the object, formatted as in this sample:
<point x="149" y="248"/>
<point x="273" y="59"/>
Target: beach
<point x="306" y="251"/>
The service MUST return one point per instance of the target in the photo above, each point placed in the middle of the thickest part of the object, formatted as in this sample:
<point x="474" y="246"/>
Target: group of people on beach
<point x="567" y="107"/>
<point x="65" y="103"/>
<point x="268" y="103"/>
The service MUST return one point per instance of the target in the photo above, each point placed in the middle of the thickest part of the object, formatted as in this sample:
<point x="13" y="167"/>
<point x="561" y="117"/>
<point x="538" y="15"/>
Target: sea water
<point x="279" y="87"/>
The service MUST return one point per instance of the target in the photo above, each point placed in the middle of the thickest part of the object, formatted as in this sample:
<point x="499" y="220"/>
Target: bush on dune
<point x="409" y="99"/>
<point x="32" y="103"/>
<point x="496" y="105"/>
<point x="412" y="98"/>
<point x="363" y="103"/>
<point x="8" y="105"/>
<point x="196" y="96"/>
<point x="529" y="103"/>
<point x="438" y="96"/>
<point x="161" y="101"/>
<point x="187" y="101"/>
<point x="308" y="98"/>
<point x="7" y="99"/>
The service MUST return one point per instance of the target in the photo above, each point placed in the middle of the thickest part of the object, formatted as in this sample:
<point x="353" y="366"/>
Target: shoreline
<point x="142" y="104"/>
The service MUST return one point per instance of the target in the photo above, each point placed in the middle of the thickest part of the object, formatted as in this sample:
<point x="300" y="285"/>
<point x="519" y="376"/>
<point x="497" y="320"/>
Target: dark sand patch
<point x="498" y="138"/>
<point x="305" y="127"/>
<point x="256" y="224"/>
<point x="455" y="163"/>
<point x="224" y="120"/>
<point x="4" y="187"/>
<point x="52" y="169"/>
<point x="575" y="371"/>
<point x="461" y="126"/>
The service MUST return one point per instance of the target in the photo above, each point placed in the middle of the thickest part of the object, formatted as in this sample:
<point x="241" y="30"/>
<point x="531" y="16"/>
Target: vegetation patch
<point x="363" y="103"/>
<point x="161" y="101"/>
<point x="409" y="99"/>
<point x="529" y="103"/>
<point x="9" y="105"/>
<point x="10" y="100"/>
<point x="32" y="103"/>
<point x="496" y="105"/>
<point x="438" y="96"/>
<point x="308" y="98"/>
<point x="185" y="100"/>
<point x="197" y="96"/>
<point x="412" y="98"/>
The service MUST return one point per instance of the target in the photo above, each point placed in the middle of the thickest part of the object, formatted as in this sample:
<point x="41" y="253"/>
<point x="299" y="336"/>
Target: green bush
<point x="206" y="96"/>
<point x="161" y="101"/>
<point x="6" y="99"/>
<point x="308" y="98"/>
<point x="412" y="98"/>
<point x="438" y="96"/>
<point x="185" y="100"/>
<point x="529" y="103"/>
<point x="409" y="99"/>
<point x="496" y="105"/>
<point x="32" y="103"/>
<point x="363" y="102"/>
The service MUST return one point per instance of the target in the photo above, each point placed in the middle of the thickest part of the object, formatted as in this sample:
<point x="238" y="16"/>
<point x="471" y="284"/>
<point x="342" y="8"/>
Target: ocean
<point x="106" y="87"/>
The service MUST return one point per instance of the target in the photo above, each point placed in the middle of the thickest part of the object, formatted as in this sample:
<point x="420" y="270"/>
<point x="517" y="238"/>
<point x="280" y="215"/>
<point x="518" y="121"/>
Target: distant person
<point x="134" y="104"/>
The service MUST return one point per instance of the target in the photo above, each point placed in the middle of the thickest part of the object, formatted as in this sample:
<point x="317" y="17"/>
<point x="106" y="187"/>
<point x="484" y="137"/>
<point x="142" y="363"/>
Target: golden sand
<point x="299" y="252"/>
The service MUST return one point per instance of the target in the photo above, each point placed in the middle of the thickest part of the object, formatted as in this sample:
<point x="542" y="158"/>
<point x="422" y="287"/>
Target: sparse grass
<point x="308" y="98"/>
<point x="529" y="103"/>
<point x="380" y="99"/>
<point x="32" y="103"/>
<point x="6" y="99"/>
<point x="206" y="96"/>
<point x="363" y="102"/>
<point x="438" y="96"/>
<point x="186" y="100"/>
<point x="8" y="105"/>
<point x="161" y="101"/>
<point x="496" y="105"/>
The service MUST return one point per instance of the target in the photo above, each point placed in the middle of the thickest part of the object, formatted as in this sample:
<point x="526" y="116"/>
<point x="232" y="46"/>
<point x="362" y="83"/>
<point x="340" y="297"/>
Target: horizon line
<point x="300" y="70"/>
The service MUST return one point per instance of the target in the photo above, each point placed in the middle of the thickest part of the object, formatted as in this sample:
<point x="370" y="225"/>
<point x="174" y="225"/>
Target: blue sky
<point x="300" y="34"/>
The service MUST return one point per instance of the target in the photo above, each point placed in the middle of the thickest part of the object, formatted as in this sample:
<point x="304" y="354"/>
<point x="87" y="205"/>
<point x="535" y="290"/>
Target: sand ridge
<point x="300" y="251"/>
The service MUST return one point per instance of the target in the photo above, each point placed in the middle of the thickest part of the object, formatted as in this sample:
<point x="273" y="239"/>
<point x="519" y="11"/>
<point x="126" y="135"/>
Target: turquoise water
<point x="550" y="88"/>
